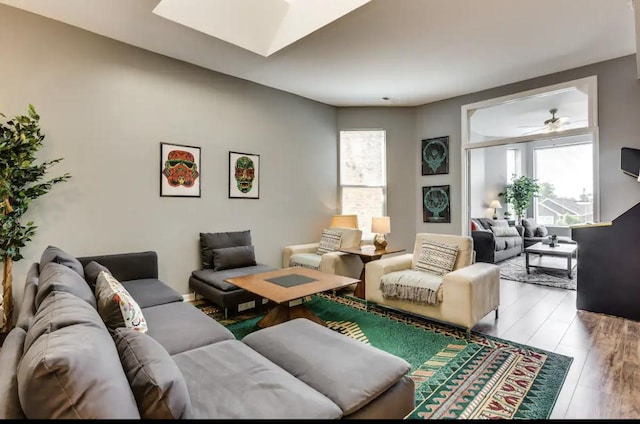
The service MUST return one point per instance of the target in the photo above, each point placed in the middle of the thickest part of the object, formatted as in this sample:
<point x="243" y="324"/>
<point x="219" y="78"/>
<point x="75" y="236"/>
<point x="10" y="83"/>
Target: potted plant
<point x="520" y="193"/>
<point x="21" y="181"/>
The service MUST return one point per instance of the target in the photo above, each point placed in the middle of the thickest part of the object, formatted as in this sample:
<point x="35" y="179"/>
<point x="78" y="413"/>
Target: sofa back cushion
<point x="464" y="243"/>
<point x="57" y="277"/>
<point x="127" y="266"/>
<point x="9" y="359"/>
<point x="349" y="237"/>
<point x="55" y="254"/>
<point x="116" y="306"/>
<point x="91" y="272"/>
<point x="505" y="231"/>
<point x="210" y="241"/>
<point x="74" y="372"/>
<point x="156" y="381"/>
<point x="28" y="301"/>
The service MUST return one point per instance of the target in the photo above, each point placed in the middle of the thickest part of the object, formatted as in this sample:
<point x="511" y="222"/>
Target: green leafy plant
<point x="520" y="192"/>
<point x="21" y="181"/>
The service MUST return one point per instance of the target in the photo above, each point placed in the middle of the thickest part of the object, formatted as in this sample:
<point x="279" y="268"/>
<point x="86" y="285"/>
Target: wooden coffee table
<point x="546" y="260"/>
<point x="286" y="288"/>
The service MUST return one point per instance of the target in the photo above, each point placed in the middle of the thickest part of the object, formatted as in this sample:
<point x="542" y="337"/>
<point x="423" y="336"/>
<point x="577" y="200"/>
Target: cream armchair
<point x="335" y="262"/>
<point x="466" y="294"/>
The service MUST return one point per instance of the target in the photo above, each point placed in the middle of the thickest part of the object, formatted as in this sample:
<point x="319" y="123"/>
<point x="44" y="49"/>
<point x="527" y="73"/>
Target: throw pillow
<point x="436" y="258"/>
<point x="156" y="382"/>
<point x="116" y="306"/>
<point x="505" y="231"/>
<point x="210" y="241"/>
<point x="529" y="227"/>
<point x="91" y="271"/>
<point x="55" y="254"/>
<point x="329" y="241"/>
<point x="541" y="231"/>
<point x="474" y="226"/>
<point x="233" y="257"/>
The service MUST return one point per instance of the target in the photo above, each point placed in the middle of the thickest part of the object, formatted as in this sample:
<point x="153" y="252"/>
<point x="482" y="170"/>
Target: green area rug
<point x="484" y="377"/>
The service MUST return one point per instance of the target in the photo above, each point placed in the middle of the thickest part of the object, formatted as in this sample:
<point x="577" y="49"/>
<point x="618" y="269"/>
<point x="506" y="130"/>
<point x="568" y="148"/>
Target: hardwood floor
<point x="604" y="378"/>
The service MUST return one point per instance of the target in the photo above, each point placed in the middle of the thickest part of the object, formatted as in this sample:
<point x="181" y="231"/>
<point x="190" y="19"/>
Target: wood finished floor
<point x="604" y="378"/>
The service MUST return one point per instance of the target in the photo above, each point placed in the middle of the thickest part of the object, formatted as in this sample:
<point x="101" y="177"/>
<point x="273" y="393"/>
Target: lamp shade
<point x="495" y="204"/>
<point x="381" y="224"/>
<point x="344" y="221"/>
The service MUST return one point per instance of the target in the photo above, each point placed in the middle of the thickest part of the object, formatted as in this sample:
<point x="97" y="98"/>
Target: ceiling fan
<point x="552" y="124"/>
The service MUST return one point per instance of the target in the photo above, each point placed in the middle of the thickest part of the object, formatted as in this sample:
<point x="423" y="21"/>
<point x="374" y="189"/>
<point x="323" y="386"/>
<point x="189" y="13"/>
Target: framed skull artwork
<point x="435" y="156"/>
<point x="179" y="170"/>
<point x="244" y="176"/>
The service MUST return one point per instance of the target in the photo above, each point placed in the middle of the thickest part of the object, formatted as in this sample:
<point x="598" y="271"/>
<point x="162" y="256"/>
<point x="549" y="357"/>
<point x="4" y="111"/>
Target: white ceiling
<point x="411" y="51"/>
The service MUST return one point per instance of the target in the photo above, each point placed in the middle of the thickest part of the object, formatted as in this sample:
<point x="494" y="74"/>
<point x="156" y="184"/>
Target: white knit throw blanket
<point x="416" y="286"/>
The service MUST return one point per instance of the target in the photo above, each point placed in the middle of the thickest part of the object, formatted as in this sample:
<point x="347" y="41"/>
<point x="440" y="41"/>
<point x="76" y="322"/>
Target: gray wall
<point x="105" y="107"/>
<point x="619" y="126"/>
<point x="399" y="124"/>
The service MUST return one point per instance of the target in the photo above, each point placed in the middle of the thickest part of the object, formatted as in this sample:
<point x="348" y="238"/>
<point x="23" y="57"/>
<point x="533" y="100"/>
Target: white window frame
<point x="384" y="175"/>
<point x="590" y="82"/>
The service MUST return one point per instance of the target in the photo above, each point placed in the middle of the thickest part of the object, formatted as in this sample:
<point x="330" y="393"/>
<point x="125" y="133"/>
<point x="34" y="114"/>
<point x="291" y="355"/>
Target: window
<point x="565" y="176"/>
<point x="363" y="179"/>
<point x="514" y="169"/>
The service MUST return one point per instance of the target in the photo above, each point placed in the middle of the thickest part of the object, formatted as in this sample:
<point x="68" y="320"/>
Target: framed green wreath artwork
<point x="435" y="156"/>
<point x="436" y="204"/>
<point x="244" y="176"/>
<point x="179" y="170"/>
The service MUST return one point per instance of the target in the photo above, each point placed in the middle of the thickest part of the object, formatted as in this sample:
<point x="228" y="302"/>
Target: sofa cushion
<point x="55" y="254"/>
<point x="245" y="385"/>
<point x="210" y="241"/>
<point x="91" y="271"/>
<point x="233" y="257"/>
<point x="28" y="301"/>
<point x="511" y="242"/>
<point x="156" y="381"/>
<point x="530" y="226"/>
<point x="320" y="357"/>
<point x="57" y="277"/>
<point x="127" y="266"/>
<point x="541" y="231"/>
<point x="9" y="359"/>
<point x="217" y="278"/>
<point x="180" y="326"/>
<point x="306" y="260"/>
<point x="436" y="258"/>
<point x="329" y="241"/>
<point x="151" y="292"/>
<point x="59" y="310"/>
<point x="116" y="306"/>
<point x="505" y="231"/>
<point x="57" y="377"/>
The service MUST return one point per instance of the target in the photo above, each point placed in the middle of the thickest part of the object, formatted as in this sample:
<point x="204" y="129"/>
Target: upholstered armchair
<point x="460" y="297"/>
<point x="324" y="255"/>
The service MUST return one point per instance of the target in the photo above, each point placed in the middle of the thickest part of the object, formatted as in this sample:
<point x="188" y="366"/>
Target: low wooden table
<point x="286" y="288"/>
<point x="546" y="254"/>
<point x="366" y="256"/>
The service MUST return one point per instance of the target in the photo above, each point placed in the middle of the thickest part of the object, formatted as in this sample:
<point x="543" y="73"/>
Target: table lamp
<point x="381" y="225"/>
<point x="495" y="204"/>
<point x="344" y="221"/>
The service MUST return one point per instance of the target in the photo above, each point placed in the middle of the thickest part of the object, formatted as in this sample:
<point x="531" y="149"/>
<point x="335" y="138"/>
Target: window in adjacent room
<point x="565" y="176"/>
<point x="363" y="179"/>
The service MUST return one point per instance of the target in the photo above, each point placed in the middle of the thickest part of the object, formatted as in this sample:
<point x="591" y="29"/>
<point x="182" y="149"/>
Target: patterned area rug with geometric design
<point x="485" y="377"/>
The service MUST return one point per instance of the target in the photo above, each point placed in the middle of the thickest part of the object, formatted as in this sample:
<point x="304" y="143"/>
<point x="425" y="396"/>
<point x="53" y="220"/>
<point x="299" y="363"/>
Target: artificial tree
<point x="519" y="193"/>
<point x="21" y="181"/>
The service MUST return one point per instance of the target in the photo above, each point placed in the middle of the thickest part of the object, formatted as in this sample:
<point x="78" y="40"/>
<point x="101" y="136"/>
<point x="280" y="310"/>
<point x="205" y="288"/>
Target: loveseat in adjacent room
<point x="494" y="240"/>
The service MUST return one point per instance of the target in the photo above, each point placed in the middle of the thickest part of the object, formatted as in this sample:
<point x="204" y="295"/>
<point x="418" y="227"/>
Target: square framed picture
<point x="179" y="170"/>
<point x="244" y="176"/>
<point x="436" y="204"/>
<point x="435" y="156"/>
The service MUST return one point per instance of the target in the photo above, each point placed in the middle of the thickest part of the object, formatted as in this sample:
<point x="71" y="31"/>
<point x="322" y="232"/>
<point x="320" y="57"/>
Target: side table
<point x="366" y="256"/>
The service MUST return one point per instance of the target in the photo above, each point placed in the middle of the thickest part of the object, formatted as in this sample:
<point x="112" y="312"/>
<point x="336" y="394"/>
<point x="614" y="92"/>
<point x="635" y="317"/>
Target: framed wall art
<point x="436" y="204"/>
<point x="244" y="176"/>
<point x="435" y="156"/>
<point x="179" y="170"/>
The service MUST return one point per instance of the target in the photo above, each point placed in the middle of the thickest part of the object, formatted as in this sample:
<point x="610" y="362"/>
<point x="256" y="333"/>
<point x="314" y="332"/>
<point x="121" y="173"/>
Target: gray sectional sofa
<point x="63" y="361"/>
